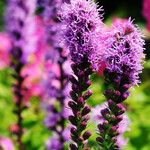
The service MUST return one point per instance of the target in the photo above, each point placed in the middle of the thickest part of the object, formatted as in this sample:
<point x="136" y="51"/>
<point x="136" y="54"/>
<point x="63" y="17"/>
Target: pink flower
<point x="146" y="12"/>
<point x="5" y="45"/>
<point x="6" y="144"/>
<point x="34" y="69"/>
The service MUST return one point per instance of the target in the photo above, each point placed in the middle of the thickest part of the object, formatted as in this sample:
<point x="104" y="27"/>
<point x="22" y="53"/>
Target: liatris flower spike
<point x="56" y="75"/>
<point x="81" y="25"/>
<point x="123" y="57"/>
<point x="19" y="24"/>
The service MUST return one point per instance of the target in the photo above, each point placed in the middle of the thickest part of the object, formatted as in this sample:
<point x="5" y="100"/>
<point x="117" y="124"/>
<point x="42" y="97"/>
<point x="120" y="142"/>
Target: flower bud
<point x="105" y="113"/>
<point x="73" y="79"/>
<point x="125" y="95"/>
<point x="73" y="131"/>
<point x="83" y="125"/>
<point x="111" y="104"/>
<point x="72" y="105"/>
<point x="86" y="135"/>
<point x="100" y="139"/>
<point x="126" y="87"/>
<point x="86" y="110"/>
<point x="73" y="120"/>
<point x="73" y="147"/>
<point x="81" y="101"/>
<point x="119" y="109"/>
<point x="73" y="95"/>
<point x="87" y="94"/>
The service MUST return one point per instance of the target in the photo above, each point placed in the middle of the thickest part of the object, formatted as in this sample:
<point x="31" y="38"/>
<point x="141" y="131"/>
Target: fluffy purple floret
<point x="123" y="49"/>
<point x="81" y="25"/>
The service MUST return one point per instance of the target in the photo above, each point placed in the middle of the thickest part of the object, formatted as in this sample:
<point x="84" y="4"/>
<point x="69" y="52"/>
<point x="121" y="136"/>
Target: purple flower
<point x="51" y="120"/>
<point x="21" y="29"/>
<point x="122" y="50"/>
<point x="81" y="28"/>
<point x="20" y="25"/>
<point x="54" y="144"/>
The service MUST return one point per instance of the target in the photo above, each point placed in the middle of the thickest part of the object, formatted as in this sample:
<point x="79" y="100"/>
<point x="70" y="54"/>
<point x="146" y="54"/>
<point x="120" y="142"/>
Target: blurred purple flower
<point x="21" y="27"/>
<point x="54" y="144"/>
<point x="55" y="82"/>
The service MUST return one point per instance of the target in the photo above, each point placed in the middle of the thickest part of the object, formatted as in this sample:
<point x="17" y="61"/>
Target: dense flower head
<point x="123" y="126"/>
<point x="81" y="25"/>
<point x="20" y="25"/>
<point x="146" y="12"/>
<point x="123" y="50"/>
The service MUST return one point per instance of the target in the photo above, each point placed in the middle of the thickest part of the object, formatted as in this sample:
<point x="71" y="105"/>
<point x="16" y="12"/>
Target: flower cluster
<point x="20" y="27"/>
<point x="81" y="28"/>
<point x="55" y="80"/>
<point x="122" y="42"/>
<point x="123" y="57"/>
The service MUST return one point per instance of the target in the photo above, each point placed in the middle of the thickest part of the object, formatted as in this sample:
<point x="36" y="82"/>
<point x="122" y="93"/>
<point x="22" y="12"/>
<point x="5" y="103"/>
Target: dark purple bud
<point x="117" y="94"/>
<point x="89" y="71"/>
<point x="86" y="110"/>
<point x="85" y="118"/>
<point x="108" y="93"/>
<point x="81" y="101"/>
<point x="87" y="94"/>
<point x="87" y="84"/>
<point x="80" y="139"/>
<point x="116" y="119"/>
<point x="75" y="87"/>
<point x="74" y="68"/>
<point x="117" y="81"/>
<point x="101" y="128"/>
<point x="73" y="79"/>
<point x="73" y="147"/>
<point x="81" y="74"/>
<point x="86" y="135"/>
<point x="73" y="131"/>
<point x="126" y="87"/>
<point x="78" y="114"/>
<point x="113" y="131"/>
<point x="125" y="95"/>
<point x="111" y="104"/>
<point x="100" y="139"/>
<point x="83" y="125"/>
<point x="72" y="105"/>
<point x="73" y="95"/>
<point x="105" y="113"/>
<point x="119" y="109"/>
<point x="73" y="120"/>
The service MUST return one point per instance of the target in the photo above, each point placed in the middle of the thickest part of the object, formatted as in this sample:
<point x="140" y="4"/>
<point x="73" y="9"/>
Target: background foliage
<point x="138" y="104"/>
